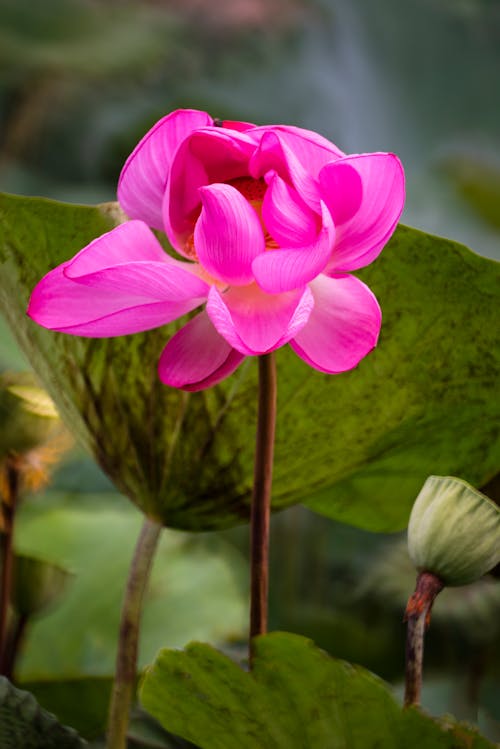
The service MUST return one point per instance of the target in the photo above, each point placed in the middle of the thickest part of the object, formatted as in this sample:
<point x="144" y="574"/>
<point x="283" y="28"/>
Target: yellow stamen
<point x="253" y="190"/>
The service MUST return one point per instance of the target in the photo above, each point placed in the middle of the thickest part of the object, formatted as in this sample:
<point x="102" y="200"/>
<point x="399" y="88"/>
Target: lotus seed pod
<point x="454" y="531"/>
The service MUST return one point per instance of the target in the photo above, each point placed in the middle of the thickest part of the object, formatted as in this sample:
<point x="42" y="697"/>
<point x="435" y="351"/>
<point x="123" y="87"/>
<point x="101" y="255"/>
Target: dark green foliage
<point x="23" y="723"/>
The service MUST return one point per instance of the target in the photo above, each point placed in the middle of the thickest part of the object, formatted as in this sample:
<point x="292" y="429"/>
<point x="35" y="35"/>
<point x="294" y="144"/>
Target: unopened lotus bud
<point x="27" y="415"/>
<point x="37" y="585"/>
<point x="454" y="531"/>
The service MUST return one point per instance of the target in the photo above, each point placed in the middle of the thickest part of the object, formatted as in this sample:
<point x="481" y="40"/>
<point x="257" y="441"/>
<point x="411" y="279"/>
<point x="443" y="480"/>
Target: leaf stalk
<point x="122" y="695"/>
<point x="418" y="616"/>
<point x="8" y="512"/>
<point x="261" y="498"/>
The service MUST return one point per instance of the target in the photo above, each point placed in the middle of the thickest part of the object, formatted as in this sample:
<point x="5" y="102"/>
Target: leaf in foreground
<point x="23" y="723"/>
<point x="295" y="697"/>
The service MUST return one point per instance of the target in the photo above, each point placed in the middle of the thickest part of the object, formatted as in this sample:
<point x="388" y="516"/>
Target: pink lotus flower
<point x="269" y="220"/>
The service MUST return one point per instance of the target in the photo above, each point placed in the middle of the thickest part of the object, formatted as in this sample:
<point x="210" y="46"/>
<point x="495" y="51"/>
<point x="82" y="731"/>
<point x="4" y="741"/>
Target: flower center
<point x="254" y="190"/>
<point x="251" y="189"/>
<point x="189" y="248"/>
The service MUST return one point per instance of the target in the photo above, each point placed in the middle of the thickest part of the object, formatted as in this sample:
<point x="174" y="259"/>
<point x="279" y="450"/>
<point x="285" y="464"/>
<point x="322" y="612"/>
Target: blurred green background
<point x="80" y="83"/>
<point x="82" y="80"/>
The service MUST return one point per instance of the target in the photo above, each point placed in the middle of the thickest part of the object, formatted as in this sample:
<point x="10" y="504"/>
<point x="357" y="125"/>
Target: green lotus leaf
<point x="356" y="447"/>
<point x="296" y="696"/>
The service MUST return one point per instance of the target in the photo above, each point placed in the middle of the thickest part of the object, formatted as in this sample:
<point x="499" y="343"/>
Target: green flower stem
<point x="8" y="507"/>
<point x="261" y="499"/>
<point x="418" y="614"/>
<point x="122" y="695"/>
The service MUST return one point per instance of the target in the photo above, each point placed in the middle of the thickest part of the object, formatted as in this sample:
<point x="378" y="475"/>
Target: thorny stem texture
<point x="126" y="660"/>
<point x="261" y="498"/>
<point x="418" y="615"/>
